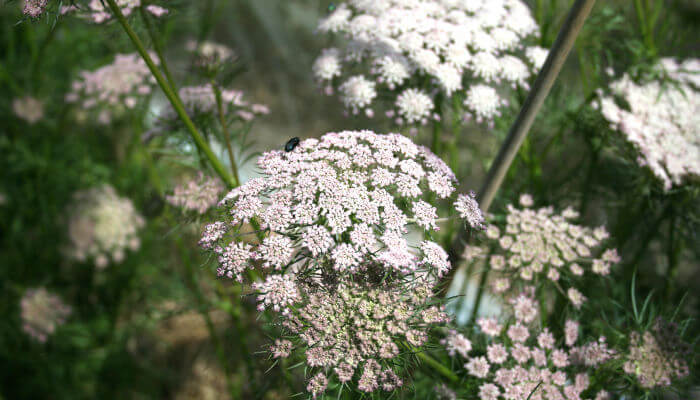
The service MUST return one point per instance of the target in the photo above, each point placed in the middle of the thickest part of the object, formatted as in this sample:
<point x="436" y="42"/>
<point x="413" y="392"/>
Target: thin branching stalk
<point x="225" y="131"/>
<point x="158" y="49"/>
<point x="518" y="131"/>
<point x="172" y="96"/>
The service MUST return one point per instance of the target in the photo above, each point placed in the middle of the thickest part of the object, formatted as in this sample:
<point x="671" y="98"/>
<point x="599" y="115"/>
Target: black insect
<point x="291" y="144"/>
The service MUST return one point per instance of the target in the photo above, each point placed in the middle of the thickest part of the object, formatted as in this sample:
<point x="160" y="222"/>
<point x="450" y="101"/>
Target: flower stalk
<point x="521" y="126"/>
<point x="172" y="96"/>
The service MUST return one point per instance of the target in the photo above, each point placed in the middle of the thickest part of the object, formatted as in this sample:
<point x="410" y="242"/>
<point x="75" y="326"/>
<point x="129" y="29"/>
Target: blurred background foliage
<point x="160" y="325"/>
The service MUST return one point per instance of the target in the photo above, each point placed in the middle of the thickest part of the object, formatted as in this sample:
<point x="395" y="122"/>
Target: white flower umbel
<point x="334" y="214"/>
<point x="102" y="226"/>
<point x="662" y="121"/>
<point x="408" y="50"/>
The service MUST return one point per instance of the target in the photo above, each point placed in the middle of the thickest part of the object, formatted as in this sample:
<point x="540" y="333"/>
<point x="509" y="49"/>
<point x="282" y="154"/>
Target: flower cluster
<point x="357" y="329"/>
<point x="102" y="226"/>
<point x="334" y="213"/>
<point x="658" y="356"/>
<point x="519" y="360"/>
<point x="34" y="8"/>
<point x="412" y="50"/>
<point x="113" y="86"/>
<point x="197" y="194"/>
<point x="98" y="12"/>
<point x="42" y="312"/>
<point x="28" y="108"/>
<point x="209" y="55"/>
<point x="539" y="243"/>
<point x="202" y="100"/>
<point x="662" y="121"/>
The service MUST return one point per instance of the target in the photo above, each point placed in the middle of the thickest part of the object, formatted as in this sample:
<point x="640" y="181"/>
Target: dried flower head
<point x="102" y="226"/>
<point x="113" y="87"/>
<point x="658" y="356"/>
<point x="42" y="312"/>
<point x="663" y="120"/>
<point x="333" y="210"/>
<point x="412" y="50"/>
<point x="538" y="243"/>
<point x="197" y="194"/>
<point x="210" y="55"/>
<point x="28" y="108"/>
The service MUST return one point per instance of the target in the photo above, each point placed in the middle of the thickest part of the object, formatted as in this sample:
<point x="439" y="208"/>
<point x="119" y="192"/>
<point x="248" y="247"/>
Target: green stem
<point x="443" y="370"/>
<point x="479" y="294"/>
<point x="672" y="253"/>
<point x="172" y="96"/>
<point x="157" y="47"/>
<point x="224" y="129"/>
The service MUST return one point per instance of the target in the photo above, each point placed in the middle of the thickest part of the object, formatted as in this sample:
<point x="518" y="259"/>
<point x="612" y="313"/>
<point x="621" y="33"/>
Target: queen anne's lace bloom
<point x="34" y="8"/>
<point x="412" y="50"/>
<point x="200" y="100"/>
<point x="112" y="87"/>
<point x="662" y="121"/>
<point x="334" y="213"/>
<point x="197" y="194"/>
<point x="98" y="12"/>
<point x="538" y="243"/>
<point x="28" y="108"/>
<point x="102" y="226"/>
<point x="512" y="359"/>
<point x="658" y="356"/>
<point x="42" y="312"/>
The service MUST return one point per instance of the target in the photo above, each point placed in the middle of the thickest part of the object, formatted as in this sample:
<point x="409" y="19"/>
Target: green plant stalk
<point x="566" y="39"/>
<point x="443" y="370"/>
<point x="225" y="131"/>
<point x="479" y="294"/>
<point x="673" y="251"/>
<point x="172" y="96"/>
<point x="157" y="47"/>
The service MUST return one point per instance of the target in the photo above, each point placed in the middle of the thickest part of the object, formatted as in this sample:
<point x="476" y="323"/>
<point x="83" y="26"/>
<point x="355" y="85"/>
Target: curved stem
<point x="172" y="96"/>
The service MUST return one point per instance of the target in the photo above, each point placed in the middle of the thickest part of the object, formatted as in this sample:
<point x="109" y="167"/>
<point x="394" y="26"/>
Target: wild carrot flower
<point x="539" y="243"/>
<point x="98" y="12"/>
<point x="662" y="121"/>
<point x="114" y="87"/>
<point x="197" y="194"/>
<point x="413" y="50"/>
<point x="511" y="359"/>
<point x="330" y="211"/>
<point x="34" y="8"/>
<point x="102" y="226"/>
<point x="28" y="108"/>
<point x="201" y="100"/>
<point x="42" y="313"/>
<point x="657" y="357"/>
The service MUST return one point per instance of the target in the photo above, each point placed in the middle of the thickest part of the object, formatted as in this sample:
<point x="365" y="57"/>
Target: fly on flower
<point x="291" y="144"/>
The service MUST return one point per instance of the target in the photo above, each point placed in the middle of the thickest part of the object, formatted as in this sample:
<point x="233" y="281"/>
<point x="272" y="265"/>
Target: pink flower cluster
<point x="536" y="243"/>
<point x="197" y="194"/>
<point x="663" y="120"/>
<point x="113" y="87"/>
<point x="658" y="356"/>
<point x="331" y="211"/>
<point x="102" y="226"/>
<point x="98" y="12"/>
<point x="412" y="50"/>
<point x="518" y="359"/>
<point x="34" y="8"/>
<point x="202" y="100"/>
<point x="42" y="312"/>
